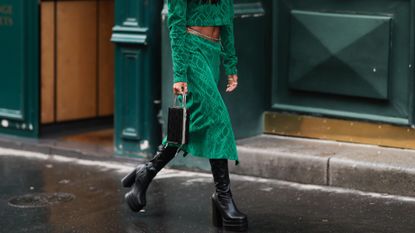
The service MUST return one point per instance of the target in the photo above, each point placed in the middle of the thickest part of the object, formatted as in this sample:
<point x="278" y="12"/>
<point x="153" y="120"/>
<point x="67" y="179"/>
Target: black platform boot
<point x="143" y="174"/>
<point x="224" y="211"/>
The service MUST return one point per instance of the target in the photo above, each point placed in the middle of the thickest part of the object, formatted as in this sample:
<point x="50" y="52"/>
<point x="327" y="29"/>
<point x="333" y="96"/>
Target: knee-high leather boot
<point x="224" y="211"/>
<point x="143" y="174"/>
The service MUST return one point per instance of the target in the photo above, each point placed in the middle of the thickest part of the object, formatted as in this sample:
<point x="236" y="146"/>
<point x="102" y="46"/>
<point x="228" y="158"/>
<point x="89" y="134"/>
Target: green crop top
<point x="182" y="13"/>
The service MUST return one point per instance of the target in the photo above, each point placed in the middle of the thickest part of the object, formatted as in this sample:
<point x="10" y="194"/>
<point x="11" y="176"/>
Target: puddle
<point x="36" y="200"/>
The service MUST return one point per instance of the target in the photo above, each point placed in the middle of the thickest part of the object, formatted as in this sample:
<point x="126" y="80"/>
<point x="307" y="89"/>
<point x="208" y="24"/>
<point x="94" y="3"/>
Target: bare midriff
<point x="209" y="31"/>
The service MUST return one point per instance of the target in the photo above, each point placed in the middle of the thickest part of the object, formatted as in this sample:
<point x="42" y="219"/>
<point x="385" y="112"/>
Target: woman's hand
<point x="232" y="82"/>
<point x="180" y="88"/>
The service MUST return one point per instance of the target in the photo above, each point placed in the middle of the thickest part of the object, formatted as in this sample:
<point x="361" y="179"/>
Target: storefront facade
<point x="323" y="69"/>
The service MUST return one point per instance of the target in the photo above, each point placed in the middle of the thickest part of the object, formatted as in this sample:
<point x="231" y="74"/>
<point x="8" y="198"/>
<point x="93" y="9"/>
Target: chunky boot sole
<point x="132" y="202"/>
<point x="228" y="225"/>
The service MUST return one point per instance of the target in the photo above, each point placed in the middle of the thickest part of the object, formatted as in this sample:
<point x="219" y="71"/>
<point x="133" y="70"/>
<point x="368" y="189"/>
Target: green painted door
<point x="350" y="59"/>
<point x="19" y="66"/>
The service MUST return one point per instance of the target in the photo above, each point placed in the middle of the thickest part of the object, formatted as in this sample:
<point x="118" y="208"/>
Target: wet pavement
<point x="41" y="193"/>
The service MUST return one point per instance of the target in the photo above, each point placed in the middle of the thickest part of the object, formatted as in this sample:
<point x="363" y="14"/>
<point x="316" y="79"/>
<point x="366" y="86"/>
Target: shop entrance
<point x="58" y="70"/>
<point x="77" y="70"/>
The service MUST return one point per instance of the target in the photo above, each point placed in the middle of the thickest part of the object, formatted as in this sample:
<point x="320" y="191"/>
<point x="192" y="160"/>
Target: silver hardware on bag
<point x="184" y="116"/>
<point x="183" y="100"/>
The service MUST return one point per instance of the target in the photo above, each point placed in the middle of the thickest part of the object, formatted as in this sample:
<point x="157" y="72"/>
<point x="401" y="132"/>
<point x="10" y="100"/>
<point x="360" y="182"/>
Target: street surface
<point x="41" y="193"/>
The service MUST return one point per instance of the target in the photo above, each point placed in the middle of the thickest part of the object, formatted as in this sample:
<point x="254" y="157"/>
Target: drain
<point x="36" y="200"/>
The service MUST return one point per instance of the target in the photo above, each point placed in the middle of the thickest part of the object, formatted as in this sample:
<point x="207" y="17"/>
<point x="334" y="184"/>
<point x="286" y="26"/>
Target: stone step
<point x="309" y="161"/>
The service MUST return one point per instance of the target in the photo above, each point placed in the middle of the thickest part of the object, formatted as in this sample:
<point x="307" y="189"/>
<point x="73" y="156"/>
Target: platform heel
<point x="216" y="216"/>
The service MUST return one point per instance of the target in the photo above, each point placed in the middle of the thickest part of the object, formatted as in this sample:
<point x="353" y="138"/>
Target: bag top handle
<point x="183" y="100"/>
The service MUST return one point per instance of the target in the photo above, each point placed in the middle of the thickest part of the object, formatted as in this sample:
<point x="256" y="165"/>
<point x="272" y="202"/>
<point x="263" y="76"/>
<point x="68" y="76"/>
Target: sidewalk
<point x="307" y="161"/>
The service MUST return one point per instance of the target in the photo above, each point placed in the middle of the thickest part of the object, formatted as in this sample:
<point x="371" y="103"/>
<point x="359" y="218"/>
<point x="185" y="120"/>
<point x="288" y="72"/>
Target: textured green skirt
<point x="210" y="129"/>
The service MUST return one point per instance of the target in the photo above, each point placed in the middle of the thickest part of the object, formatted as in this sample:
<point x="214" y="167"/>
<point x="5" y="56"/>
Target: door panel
<point x="13" y="28"/>
<point x="355" y="64"/>
<point x="77" y="59"/>
<point x="106" y="58"/>
<point x="48" y="62"/>
<point x="19" y="65"/>
<point x="347" y="59"/>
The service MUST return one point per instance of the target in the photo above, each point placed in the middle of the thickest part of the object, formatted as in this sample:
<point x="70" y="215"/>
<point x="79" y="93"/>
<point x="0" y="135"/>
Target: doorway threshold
<point x="94" y="144"/>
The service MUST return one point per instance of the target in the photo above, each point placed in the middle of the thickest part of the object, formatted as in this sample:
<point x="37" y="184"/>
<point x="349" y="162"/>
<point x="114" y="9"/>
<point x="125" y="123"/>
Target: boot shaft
<point x="163" y="156"/>
<point x="146" y="172"/>
<point x="220" y="173"/>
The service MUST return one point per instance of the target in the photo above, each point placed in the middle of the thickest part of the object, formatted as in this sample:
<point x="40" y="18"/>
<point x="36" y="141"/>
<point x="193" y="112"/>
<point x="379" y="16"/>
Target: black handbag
<point x="178" y="122"/>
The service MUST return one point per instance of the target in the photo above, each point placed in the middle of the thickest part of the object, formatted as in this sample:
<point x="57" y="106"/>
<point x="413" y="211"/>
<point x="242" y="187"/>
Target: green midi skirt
<point x="210" y="129"/>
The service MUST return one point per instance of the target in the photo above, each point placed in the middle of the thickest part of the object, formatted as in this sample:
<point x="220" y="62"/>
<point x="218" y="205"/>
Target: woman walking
<point x="201" y="32"/>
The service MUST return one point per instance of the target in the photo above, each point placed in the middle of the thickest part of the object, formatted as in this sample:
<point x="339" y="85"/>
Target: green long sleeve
<point x="230" y="59"/>
<point x="176" y="21"/>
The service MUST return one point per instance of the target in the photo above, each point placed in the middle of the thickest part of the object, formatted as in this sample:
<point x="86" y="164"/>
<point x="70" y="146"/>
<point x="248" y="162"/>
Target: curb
<point x="328" y="163"/>
<point x="307" y="161"/>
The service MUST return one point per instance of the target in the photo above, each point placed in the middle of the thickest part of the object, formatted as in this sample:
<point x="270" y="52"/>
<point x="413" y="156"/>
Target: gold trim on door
<point x="340" y="130"/>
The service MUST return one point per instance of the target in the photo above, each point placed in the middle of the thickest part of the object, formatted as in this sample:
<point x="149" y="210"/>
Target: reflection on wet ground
<point x="179" y="202"/>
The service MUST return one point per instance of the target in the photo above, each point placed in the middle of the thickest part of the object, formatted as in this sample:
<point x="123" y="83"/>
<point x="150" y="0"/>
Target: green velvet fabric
<point x="183" y="13"/>
<point x="210" y="130"/>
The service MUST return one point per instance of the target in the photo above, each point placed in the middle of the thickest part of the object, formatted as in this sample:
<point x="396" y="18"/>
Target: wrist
<point x="231" y="71"/>
<point x="178" y="79"/>
<point x="232" y="77"/>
